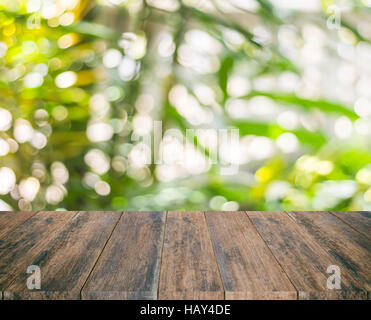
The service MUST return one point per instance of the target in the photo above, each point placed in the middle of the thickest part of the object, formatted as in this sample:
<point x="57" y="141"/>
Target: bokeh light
<point x="97" y="97"/>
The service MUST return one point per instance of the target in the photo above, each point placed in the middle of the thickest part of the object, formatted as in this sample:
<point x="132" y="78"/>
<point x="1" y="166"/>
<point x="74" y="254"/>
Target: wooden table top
<point x="186" y="255"/>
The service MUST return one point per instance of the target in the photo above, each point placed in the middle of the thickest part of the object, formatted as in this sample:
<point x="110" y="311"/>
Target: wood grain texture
<point x="150" y="255"/>
<point x="67" y="261"/>
<point x="303" y="259"/>
<point x="189" y="269"/>
<point x="247" y="267"/>
<point x="359" y="220"/>
<point x="129" y="266"/>
<point x="9" y="221"/>
<point x="20" y="247"/>
<point x="351" y="250"/>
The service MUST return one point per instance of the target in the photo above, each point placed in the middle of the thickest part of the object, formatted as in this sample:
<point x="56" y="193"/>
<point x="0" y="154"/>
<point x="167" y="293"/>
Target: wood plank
<point x="9" y="221"/>
<point x="67" y="261"/>
<point x="129" y="266"/>
<point x="351" y="249"/>
<point x="20" y="247"/>
<point x="303" y="259"/>
<point x="247" y="267"/>
<point x="189" y="269"/>
<point x="359" y="220"/>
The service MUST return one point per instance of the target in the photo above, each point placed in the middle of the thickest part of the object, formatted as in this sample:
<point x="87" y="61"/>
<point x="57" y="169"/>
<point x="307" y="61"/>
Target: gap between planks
<point x="345" y="244"/>
<point x="123" y="271"/>
<point x="295" y="237"/>
<point x="248" y="268"/>
<point x="56" y="221"/>
<point x="91" y="271"/>
<point x="162" y="251"/>
<point x="219" y="273"/>
<point x="6" y="229"/>
<point x="68" y="258"/>
<point x="340" y="215"/>
<point x="278" y="262"/>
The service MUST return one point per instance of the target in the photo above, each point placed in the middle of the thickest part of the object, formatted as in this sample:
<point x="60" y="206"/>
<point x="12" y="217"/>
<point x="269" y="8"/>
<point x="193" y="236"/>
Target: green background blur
<point x="81" y="83"/>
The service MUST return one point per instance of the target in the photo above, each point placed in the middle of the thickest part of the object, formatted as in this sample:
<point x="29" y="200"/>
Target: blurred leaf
<point x="272" y="130"/>
<point x="93" y="30"/>
<point x="224" y="72"/>
<point x="308" y="104"/>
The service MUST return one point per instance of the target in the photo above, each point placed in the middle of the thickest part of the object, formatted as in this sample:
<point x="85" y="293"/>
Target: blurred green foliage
<point x="82" y="81"/>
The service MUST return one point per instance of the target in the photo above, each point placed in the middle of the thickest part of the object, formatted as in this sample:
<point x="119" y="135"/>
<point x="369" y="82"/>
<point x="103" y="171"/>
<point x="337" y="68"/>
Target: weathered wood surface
<point x="194" y="255"/>
<point x="351" y="251"/>
<point x="11" y="220"/>
<point x="359" y="220"/>
<point x="247" y="267"/>
<point x="20" y="247"/>
<point x="130" y="264"/>
<point x="189" y="269"/>
<point x="68" y="260"/>
<point x="303" y="259"/>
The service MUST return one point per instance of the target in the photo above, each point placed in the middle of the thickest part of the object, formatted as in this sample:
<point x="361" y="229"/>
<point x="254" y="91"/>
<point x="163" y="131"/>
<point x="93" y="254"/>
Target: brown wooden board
<point x="189" y="269"/>
<point x="303" y="259"/>
<point x="20" y="247"/>
<point x="359" y="220"/>
<point x="129" y="266"/>
<point x="351" y="249"/>
<point x="9" y="221"/>
<point x="247" y="267"/>
<point x="67" y="261"/>
<point x="144" y="255"/>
